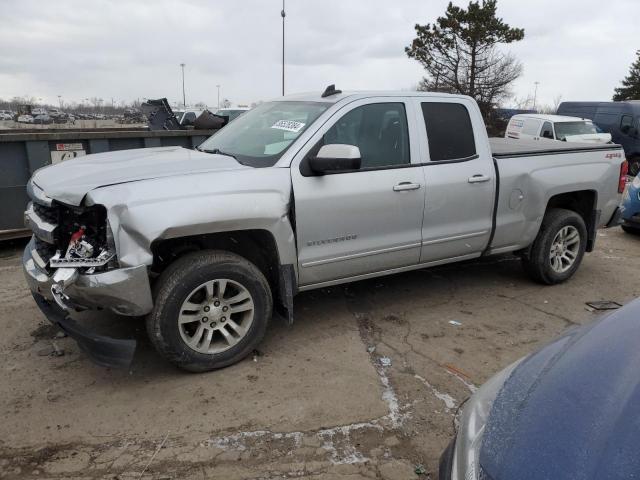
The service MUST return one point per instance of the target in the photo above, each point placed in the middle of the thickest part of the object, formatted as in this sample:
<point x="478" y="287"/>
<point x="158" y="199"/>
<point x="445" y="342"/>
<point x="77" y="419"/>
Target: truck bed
<point x="549" y="169"/>
<point x="507" y="147"/>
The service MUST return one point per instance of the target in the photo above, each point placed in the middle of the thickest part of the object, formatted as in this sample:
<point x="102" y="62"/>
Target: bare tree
<point x="557" y="100"/>
<point x="522" y="103"/>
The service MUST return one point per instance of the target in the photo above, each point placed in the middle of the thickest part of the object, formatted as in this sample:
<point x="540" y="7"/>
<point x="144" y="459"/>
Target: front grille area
<point x="44" y="249"/>
<point x="54" y="226"/>
<point x="49" y="214"/>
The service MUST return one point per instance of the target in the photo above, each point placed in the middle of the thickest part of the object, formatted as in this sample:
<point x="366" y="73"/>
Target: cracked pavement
<point x="366" y="384"/>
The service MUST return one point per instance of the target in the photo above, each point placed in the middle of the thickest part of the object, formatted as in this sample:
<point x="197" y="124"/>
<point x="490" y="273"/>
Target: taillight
<point x="622" y="182"/>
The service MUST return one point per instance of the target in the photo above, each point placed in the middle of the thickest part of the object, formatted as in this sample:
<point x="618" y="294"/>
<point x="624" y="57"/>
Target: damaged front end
<point x="71" y="265"/>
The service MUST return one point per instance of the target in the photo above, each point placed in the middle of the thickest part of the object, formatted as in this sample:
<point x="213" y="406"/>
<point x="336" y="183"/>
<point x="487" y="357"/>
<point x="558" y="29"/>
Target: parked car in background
<point x="42" y="119"/>
<point x="630" y="208"/>
<point x="535" y="126"/>
<point x="25" y="118"/>
<point x="620" y="119"/>
<point x="232" y="113"/>
<point x="570" y="410"/>
<point x="401" y="181"/>
<point x="6" y="115"/>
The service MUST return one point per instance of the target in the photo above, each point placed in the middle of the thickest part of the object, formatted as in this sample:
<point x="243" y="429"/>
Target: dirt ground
<point x="365" y="384"/>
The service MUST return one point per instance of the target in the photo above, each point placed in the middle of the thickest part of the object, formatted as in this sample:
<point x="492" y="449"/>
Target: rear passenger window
<point x="449" y="131"/>
<point x="379" y="130"/>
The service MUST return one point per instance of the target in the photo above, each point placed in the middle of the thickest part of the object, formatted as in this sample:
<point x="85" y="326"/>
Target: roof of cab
<point x="317" y="96"/>
<point x="549" y="118"/>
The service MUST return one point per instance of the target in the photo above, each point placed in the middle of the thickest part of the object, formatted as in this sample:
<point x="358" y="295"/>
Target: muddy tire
<point x="211" y="309"/>
<point x="558" y="249"/>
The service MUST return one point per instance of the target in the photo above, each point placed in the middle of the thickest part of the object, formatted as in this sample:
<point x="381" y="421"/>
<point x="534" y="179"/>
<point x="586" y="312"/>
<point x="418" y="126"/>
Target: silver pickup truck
<point x="300" y="193"/>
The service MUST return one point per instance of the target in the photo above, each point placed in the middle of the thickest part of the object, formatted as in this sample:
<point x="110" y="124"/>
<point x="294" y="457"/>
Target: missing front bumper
<point x="125" y="291"/>
<point x="105" y="351"/>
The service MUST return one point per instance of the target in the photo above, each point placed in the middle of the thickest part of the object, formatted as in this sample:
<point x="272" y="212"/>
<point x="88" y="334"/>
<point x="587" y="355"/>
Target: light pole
<point x="283" y="14"/>
<point x="184" y="101"/>
<point x="60" y="101"/>
<point x="535" y="94"/>
<point x="218" y="87"/>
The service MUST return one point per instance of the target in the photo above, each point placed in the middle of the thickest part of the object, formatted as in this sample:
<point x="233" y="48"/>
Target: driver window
<point x="547" y="131"/>
<point x="378" y="129"/>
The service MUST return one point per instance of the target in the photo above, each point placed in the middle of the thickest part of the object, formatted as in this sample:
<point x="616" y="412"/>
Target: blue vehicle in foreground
<point x="630" y="209"/>
<point x="571" y="410"/>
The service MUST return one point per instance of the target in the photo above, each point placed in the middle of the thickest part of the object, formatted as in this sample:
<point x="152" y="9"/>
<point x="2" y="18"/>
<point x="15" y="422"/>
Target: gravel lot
<point x="318" y="400"/>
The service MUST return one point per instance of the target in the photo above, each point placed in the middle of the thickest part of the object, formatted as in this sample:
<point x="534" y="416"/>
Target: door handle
<point x="479" y="178"/>
<point x="406" y="186"/>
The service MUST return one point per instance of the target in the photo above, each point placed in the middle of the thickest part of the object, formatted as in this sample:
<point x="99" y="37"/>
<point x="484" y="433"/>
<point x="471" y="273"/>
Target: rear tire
<point x="634" y="166"/>
<point x="558" y="249"/>
<point x="631" y="230"/>
<point x="211" y="309"/>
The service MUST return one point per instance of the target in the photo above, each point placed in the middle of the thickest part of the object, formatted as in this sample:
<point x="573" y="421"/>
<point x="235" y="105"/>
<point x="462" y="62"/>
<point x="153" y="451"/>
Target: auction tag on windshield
<point x="288" y="125"/>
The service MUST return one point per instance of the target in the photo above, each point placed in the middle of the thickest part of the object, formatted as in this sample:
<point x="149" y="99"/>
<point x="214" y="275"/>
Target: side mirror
<point x="626" y="129"/>
<point x="335" y="158"/>
<point x="547" y="134"/>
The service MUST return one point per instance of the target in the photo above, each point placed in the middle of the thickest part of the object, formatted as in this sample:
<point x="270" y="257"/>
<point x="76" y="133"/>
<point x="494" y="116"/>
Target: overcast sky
<point x="128" y="49"/>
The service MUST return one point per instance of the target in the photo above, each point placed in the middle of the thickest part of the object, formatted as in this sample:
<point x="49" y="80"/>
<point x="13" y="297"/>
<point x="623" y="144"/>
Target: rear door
<point x="369" y="220"/>
<point x="460" y="180"/>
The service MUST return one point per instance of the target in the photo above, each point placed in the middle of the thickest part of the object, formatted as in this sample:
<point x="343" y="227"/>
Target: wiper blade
<point x="217" y="151"/>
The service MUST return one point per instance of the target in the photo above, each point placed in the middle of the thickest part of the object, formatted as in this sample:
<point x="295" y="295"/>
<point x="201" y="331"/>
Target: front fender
<point x="141" y="213"/>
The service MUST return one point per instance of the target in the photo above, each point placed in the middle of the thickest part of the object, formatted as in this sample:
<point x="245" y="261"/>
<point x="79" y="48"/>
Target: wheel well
<point x="257" y="246"/>
<point x="582" y="202"/>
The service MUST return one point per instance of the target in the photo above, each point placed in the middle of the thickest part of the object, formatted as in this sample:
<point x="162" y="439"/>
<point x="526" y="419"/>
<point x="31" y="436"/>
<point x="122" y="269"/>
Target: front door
<point x="359" y="222"/>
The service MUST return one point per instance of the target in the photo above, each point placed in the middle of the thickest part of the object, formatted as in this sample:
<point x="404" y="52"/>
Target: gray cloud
<point x="579" y="49"/>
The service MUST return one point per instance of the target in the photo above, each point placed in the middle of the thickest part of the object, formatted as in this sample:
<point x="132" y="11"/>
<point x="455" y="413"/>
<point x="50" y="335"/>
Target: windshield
<point x="567" y="129"/>
<point x="262" y="135"/>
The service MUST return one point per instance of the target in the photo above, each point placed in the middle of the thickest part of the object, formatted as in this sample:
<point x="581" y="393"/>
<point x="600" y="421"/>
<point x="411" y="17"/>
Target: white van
<point x="533" y="126"/>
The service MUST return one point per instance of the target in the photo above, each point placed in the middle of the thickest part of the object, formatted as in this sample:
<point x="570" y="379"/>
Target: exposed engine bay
<point x="82" y="237"/>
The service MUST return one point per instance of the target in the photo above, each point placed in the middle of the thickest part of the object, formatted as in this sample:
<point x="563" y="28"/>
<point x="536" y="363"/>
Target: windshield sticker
<point x="288" y="125"/>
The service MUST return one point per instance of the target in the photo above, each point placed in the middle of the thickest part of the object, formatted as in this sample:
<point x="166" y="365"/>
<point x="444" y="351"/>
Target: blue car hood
<point x="571" y="410"/>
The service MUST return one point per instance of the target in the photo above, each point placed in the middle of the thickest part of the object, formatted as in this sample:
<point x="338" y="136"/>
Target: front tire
<point x="558" y="249"/>
<point x="211" y="310"/>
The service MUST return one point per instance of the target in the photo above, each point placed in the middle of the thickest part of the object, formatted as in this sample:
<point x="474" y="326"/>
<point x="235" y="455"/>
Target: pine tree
<point x="630" y="89"/>
<point x="459" y="53"/>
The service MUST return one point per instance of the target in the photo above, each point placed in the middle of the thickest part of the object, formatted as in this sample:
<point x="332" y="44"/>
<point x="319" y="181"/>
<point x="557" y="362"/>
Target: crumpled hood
<point x="572" y="409"/>
<point x="69" y="181"/>
<point x="590" y="138"/>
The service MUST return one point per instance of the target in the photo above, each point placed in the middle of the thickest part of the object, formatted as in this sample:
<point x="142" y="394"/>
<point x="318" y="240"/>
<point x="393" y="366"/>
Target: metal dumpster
<point x="21" y="154"/>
